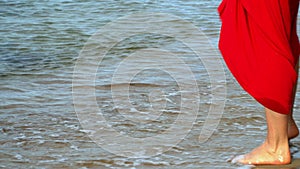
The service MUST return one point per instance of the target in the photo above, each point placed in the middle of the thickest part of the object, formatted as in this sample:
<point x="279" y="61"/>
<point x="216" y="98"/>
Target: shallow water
<point x="40" y="44"/>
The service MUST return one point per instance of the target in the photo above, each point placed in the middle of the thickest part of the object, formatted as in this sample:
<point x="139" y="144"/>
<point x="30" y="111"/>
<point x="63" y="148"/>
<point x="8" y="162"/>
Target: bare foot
<point x="293" y="130"/>
<point x="275" y="150"/>
<point x="265" y="155"/>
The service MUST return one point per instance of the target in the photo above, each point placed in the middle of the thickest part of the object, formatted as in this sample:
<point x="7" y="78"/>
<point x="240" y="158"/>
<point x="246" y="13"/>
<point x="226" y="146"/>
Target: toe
<point x="238" y="159"/>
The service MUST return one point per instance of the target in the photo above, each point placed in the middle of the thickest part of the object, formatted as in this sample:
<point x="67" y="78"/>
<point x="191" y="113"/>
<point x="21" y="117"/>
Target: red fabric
<point x="259" y="44"/>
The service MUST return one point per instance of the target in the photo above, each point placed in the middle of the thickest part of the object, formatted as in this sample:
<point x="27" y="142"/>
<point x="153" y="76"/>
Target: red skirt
<point x="259" y="44"/>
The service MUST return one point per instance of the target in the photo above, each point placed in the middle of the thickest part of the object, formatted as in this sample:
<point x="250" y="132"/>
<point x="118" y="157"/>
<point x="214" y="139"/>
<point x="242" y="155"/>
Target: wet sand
<point x="294" y="165"/>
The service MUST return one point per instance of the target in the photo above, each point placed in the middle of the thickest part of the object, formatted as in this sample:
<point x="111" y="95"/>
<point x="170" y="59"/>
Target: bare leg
<point x="275" y="150"/>
<point x="293" y="130"/>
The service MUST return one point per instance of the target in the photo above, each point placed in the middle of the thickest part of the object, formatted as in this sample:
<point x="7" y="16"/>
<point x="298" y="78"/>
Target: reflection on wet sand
<point x="294" y="165"/>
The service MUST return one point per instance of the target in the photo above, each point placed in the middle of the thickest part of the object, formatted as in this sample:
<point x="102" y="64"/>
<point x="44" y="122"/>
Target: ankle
<point x="276" y="146"/>
<point x="293" y="130"/>
<point x="280" y="151"/>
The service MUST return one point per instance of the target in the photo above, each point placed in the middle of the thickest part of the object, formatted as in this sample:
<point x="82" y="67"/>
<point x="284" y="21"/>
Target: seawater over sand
<point x="40" y="42"/>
